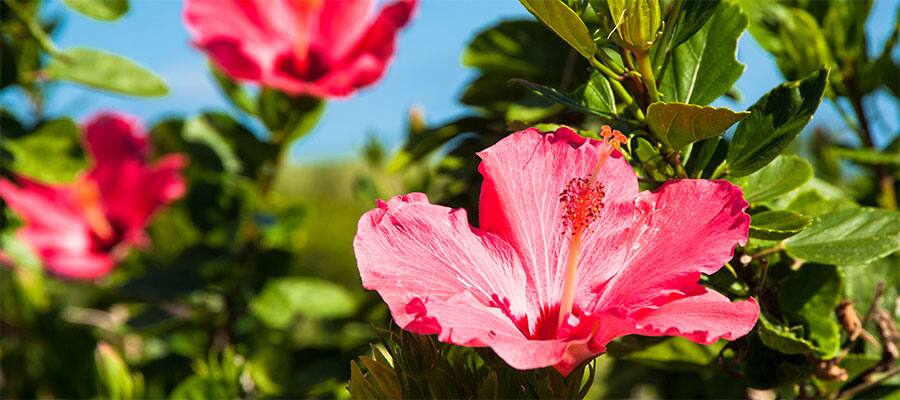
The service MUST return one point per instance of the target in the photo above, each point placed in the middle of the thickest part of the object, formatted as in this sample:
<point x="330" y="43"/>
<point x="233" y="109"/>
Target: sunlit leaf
<point x="282" y="300"/>
<point x="848" y="237"/>
<point x="679" y="124"/>
<point x="776" y="225"/>
<point x="705" y="67"/>
<point x="104" y="10"/>
<point x="105" y="71"/>
<point x="567" y="25"/>
<point x="785" y="173"/>
<point x="775" y="120"/>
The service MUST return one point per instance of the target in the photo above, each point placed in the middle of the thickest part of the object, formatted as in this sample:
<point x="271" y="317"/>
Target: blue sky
<point x="426" y="72"/>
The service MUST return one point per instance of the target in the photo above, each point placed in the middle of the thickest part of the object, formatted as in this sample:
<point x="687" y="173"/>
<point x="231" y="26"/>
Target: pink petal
<point x="523" y="176"/>
<point x="134" y="191"/>
<point x="113" y="137"/>
<point x="340" y="25"/>
<point x="243" y="37"/>
<point x="703" y="318"/>
<point x="408" y="249"/>
<point x="365" y="62"/>
<point x="685" y="228"/>
<point x="55" y="229"/>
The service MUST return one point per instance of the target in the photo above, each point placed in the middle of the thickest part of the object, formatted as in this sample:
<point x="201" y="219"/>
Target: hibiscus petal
<point x="523" y="176"/>
<point x="703" y="318"/>
<point x="341" y="24"/>
<point x="367" y="61"/>
<point x="55" y="229"/>
<point x="113" y="137"/>
<point x="408" y="249"/>
<point x="685" y="228"/>
<point x="243" y="37"/>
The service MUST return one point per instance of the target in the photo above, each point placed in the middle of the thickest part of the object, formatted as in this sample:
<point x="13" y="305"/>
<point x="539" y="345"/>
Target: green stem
<point x="646" y="70"/>
<point x="608" y="61"/>
<point x="34" y="28"/>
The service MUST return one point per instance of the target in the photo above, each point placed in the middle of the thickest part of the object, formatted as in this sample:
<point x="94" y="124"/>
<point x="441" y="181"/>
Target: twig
<point x="772" y="250"/>
<point x="868" y="384"/>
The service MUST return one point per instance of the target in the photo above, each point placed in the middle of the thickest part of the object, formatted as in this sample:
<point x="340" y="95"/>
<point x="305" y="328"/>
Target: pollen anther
<point x="581" y="201"/>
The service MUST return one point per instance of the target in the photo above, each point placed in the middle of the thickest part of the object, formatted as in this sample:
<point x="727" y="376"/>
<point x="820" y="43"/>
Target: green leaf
<point x="104" y="10"/>
<point x="234" y="91"/>
<point x="775" y="120"/>
<point x="693" y="16"/>
<point x="701" y="154"/>
<point x="783" y="339"/>
<point x="289" y="118"/>
<point x="776" y="225"/>
<point x="677" y="354"/>
<point x="249" y="150"/>
<point x="199" y="131"/>
<point x="284" y="299"/>
<point x="705" y="67"/>
<point x="559" y="97"/>
<point x="597" y="94"/>
<point x="565" y="23"/>
<point x="784" y="174"/>
<point x="51" y="154"/>
<point x="679" y="124"/>
<point x="848" y="237"/>
<point x="809" y="297"/>
<point x="105" y="71"/>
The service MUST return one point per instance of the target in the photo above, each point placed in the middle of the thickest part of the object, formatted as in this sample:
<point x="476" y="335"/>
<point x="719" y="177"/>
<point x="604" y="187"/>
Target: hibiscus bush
<point x="601" y="222"/>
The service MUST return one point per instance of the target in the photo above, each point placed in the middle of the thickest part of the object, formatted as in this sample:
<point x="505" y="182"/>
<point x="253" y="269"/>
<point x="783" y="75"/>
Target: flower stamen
<point x="582" y="201"/>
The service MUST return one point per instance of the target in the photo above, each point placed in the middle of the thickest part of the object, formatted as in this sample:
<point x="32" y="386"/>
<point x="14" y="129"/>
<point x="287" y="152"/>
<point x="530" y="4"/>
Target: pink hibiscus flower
<point x="79" y="230"/>
<point x="569" y="255"/>
<point x="322" y="48"/>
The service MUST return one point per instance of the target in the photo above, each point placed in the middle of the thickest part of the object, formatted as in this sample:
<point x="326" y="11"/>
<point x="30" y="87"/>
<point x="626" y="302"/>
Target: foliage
<point x="249" y="287"/>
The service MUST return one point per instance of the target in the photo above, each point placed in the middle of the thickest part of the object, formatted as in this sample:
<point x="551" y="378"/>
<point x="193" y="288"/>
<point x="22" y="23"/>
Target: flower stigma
<point x="582" y="200"/>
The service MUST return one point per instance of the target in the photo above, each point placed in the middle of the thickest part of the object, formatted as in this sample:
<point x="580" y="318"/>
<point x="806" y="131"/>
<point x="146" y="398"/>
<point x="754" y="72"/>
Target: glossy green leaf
<point x="565" y="23"/>
<point x="105" y="71"/>
<point x="775" y="120"/>
<point x="705" y="67"/>
<point x="284" y="299"/>
<point x="702" y="153"/>
<point x="679" y="124"/>
<point x="776" y="225"/>
<point x="52" y="153"/>
<point x="104" y="10"/>
<point x="785" y="173"/>
<point x="848" y="237"/>
<point x="597" y="94"/>
<point x="289" y="118"/>
<point x="693" y="16"/>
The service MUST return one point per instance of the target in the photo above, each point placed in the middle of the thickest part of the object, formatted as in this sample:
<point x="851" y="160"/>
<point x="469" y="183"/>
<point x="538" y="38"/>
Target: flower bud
<point x="637" y="21"/>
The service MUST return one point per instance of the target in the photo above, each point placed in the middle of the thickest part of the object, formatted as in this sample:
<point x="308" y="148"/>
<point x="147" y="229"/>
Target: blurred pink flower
<point x="548" y="202"/>
<point x="79" y="230"/>
<point x="322" y="48"/>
